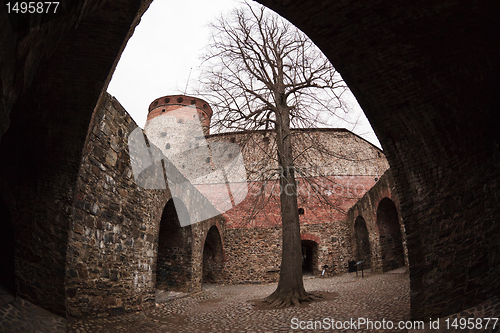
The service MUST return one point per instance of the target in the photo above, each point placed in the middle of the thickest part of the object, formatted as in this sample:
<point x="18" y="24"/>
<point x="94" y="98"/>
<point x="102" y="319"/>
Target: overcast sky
<point x="165" y="51"/>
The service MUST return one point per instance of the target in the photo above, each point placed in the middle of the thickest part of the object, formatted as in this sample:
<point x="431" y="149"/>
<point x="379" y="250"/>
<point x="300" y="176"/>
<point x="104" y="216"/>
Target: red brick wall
<point x="335" y="195"/>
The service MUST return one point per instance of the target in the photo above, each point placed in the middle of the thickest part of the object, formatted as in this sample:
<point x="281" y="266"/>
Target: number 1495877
<point x="471" y="323"/>
<point x="33" y="7"/>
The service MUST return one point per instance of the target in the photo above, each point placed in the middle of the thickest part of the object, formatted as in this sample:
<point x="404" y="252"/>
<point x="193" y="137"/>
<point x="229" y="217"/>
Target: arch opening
<point x="7" y="249"/>
<point x="309" y="256"/>
<point x="390" y="239"/>
<point x="173" y="268"/>
<point x="213" y="256"/>
<point x="363" y="248"/>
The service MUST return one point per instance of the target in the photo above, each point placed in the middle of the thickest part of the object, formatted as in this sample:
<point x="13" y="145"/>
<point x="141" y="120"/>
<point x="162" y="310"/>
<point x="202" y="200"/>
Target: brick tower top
<point x="167" y="104"/>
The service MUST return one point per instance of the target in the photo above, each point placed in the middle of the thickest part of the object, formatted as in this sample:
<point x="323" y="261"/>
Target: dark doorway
<point x="213" y="256"/>
<point x="7" y="249"/>
<point x="363" y="248"/>
<point x="309" y="256"/>
<point x="173" y="269"/>
<point x="391" y="242"/>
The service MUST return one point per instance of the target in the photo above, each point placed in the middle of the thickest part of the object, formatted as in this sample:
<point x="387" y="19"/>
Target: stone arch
<point x="363" y="248"/>
<point x="390" y="239"/>
<point x="175" y="246"/>
<point x="7" y="249"/>
<point x="213" y="256"/>
<point x="310" y="237"/>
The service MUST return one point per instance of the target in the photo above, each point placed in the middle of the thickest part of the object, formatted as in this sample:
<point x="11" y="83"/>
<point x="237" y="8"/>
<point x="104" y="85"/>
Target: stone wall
<point x="114" y="227"/>
<point x="112" y="261"/>
<point x="319" y="152"/>
<point x="50" y="81"/>
<point x="335" y="169"/>
<point x="254" y="254"/>
<point x="383" y="248"/>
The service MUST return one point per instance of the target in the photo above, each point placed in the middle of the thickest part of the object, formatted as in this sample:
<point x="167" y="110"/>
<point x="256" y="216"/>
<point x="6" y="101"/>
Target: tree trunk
<point x="290" y="288"/>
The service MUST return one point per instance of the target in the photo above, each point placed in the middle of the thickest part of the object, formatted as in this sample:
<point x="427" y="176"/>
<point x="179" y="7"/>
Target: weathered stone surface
<point x="54" y="68"/>
<point x="134" y="242"/>
<point x="384" y="250"/>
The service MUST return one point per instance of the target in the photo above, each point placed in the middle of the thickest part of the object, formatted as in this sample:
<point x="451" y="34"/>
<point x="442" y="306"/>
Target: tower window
<point x="301" y="211"/>
<point x="193" y="101"/>
<point x="207" y="160"/>
<point x="167" y="100"/>
<point x="180" y="99"/>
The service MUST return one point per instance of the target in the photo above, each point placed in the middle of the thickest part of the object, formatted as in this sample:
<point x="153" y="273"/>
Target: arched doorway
<point x="309" y="256"/>
<point x="363" y="248"/>
<point x="173" y="269"/>
<point x="213" y="256"/>
<point x="7" y="249"/>
<point x="391" y="242"/>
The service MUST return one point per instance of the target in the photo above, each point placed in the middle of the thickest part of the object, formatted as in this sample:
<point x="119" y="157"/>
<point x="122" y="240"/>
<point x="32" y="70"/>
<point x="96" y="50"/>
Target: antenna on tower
<point x="189" y="76"/>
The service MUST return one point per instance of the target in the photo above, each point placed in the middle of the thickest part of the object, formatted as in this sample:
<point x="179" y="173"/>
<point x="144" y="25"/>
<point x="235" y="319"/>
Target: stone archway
<point x="363" y="248"/>
<point x="213" y="256"/>
<point x="174" y="259"/>
<point x="7" y="249"/>
<point x="390" y="239"/>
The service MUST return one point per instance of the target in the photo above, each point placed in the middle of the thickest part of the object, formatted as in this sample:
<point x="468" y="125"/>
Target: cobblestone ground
<point x="20" y="316"/>
<point x="226" y="308"/>
<point x="229" y="308"/>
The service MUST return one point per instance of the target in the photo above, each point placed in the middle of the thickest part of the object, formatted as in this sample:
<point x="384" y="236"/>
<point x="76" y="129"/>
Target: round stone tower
<point x="178" y="125"/>
<point x="183" y="104"/>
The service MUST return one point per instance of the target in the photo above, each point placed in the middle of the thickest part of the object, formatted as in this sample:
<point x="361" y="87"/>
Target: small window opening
<point x="301" y="211"/>
<point x="167" y="146"/>
<point x="167" y="100"/>
<point x="180" y="99"/>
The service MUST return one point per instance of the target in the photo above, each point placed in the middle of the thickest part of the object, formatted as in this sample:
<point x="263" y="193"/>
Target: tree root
<point x="284" y="300"/>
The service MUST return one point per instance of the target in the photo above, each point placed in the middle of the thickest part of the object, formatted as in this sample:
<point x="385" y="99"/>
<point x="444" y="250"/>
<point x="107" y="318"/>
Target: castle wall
<point x="334" y="169"/>
<point x="115" y="227"/>
<point x="367" y="208"/>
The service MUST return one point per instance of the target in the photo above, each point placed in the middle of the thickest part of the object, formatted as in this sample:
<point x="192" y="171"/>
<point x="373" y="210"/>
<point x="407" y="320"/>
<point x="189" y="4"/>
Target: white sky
<point x="167" y="46"/>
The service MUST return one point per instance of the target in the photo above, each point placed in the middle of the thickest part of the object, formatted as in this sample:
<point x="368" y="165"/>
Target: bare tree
<point x="263" y="73"/>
